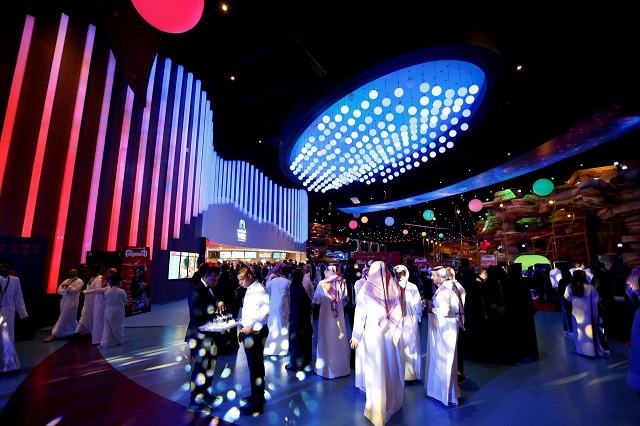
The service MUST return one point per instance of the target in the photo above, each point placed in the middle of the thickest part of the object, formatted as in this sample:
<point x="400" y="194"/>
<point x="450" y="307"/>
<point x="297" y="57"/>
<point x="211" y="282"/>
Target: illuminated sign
<point x="242" y="231"/>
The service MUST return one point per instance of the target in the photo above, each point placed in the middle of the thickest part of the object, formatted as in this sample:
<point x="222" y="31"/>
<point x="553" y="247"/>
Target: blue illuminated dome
<point x="392" y="119"/>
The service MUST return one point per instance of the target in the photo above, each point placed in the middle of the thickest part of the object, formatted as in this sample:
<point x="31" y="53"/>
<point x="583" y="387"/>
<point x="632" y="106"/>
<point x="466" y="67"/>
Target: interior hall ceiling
<point x="283" y="55"/>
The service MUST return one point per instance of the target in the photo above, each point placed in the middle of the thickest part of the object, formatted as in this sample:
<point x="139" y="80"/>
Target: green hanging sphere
<point x="543" y="187"/>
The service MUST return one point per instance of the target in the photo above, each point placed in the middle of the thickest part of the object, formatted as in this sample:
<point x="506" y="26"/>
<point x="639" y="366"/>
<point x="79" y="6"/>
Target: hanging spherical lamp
<point x="543" y="187"/>
<point x="170" y="16"/>
<point x="475" y="205"/>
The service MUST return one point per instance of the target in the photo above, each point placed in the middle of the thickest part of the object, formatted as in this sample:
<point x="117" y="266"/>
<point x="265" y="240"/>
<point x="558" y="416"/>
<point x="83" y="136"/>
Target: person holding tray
<point x="203" y="306"/>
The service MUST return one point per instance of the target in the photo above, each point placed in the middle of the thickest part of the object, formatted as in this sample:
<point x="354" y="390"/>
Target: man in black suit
<point x="202" y="307"/>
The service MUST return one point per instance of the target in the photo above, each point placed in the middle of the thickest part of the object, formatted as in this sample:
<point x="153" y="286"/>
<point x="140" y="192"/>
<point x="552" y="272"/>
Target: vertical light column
<point x="238" y="178"/>
<point x="121" y="165"/>
<point x="70" y="162"/>
<point x="252" y="191"/>
<point x="200" y="160"/>
<point x="177" y="218"/>
<point x="141" y="161"/>
<point x="280" y="207"/>
<point x="43" y="133"/>
<point x="168" y="189"/>
<point x="227" y="176"/>
<point x="87" y="240"/>
<point x="157" y="158"/>
<point x="195" y="132"/>
<point x="256" y="193"/>
<point x="14" y="96"/>
<point x="261" y="200"/>
<point x="270" y="202"/>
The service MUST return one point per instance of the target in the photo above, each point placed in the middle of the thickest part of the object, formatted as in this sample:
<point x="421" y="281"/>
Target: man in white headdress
<point x="441" y="369"/>
<point x="411" y="349"/>
<point x="379" y="318"/>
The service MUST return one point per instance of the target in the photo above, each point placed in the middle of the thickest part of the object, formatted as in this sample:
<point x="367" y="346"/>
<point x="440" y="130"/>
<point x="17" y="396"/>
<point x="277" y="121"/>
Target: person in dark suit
<point x="300" y="325"/>
<point x="203" y="305"/>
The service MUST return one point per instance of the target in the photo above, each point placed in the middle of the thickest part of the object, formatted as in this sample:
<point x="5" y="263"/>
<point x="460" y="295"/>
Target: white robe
<point x="11" y="301"/>
<point x="67" y="321"/>
<point x="98" y="313"/>
<point x="277" y="342"/>
<point x="115" y="299"/>
<point x="85" y="325"/>
<point x="412" y="346"/>
<point x="360" y="350"/>
<point x="441" y="369"/>
<point x="332" y="353"/>
<point x="383" y="383"/>
<point x="585" y="318"/>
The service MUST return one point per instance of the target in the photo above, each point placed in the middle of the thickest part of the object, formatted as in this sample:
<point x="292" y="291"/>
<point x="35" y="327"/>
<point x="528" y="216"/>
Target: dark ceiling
<point x="284" y="54"/>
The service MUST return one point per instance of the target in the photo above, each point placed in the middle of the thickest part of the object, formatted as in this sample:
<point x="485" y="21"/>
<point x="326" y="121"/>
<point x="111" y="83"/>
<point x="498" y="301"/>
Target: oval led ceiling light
<point x="391" y="120"/>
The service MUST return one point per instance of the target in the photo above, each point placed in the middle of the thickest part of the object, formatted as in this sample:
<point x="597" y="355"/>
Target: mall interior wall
<point x="87" y="165"/>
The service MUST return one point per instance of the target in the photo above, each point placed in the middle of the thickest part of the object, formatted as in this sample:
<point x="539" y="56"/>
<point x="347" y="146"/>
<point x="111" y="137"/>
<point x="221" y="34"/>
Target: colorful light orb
<point x="405" y="232"/>
<point x="356" y="215"/>
<point x="428" y="215"/>
<point x="353" y="224"/>
<point x="170" y="16"/>
<point x="424" y="234"/>
<point x="389" y="221"/>
<point x="543" y="187"/>
<point x="364" y="219"/>
<point x="441" y="235"/>
<point x="475" y="205"/>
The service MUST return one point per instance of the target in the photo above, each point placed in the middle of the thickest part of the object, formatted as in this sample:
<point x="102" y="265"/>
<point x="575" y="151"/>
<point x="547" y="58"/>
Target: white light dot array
<point x="389" y="126"/>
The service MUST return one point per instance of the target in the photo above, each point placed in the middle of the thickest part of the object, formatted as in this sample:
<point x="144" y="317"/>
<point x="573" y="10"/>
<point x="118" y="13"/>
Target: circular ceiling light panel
<point x="392" y="120"/>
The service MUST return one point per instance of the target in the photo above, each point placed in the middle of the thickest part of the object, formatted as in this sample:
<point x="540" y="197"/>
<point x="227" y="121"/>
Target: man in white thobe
<point x="11" y="301"/>
<point x="278" y="288"/>
<point x="441" y="369"/>
<point x="412" y="348"/>
<point x="378" y="319"/>
<point x="67" y="322"/>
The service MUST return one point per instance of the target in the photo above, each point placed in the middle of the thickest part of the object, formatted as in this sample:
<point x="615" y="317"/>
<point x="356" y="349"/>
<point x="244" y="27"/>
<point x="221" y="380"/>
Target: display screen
<point x="250" y="254"/>
<point x="225" y="255"/>
<point x="237" y="254"/>
<point x="182" y="264"/>
<point x="276" y="255"/>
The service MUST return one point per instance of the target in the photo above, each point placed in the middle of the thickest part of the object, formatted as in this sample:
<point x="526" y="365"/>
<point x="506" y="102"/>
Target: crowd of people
<point x="103" y="311"/>
<point x="479" y="314"/>
<point x="369" y="317"/>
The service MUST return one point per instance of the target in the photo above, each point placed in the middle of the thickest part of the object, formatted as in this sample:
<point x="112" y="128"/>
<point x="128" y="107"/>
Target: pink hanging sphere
<point x="170" y="16"/>
<point x="405" y="232"/>
<point x="353" y="224"/>
<point x="475" y="205"/>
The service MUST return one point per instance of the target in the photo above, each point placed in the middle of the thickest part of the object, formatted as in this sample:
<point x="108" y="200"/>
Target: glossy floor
<point x="559" y="389"/>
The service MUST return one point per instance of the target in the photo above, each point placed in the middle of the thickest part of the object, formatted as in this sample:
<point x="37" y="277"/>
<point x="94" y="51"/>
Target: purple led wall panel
<point x="45" y="121"/>
<point x="70" y="162"/>
<point x="195" y="126"/>
<point x="14" y="96"/>
<point x="114" y="222"/>
<point x="155" y="177"/>
<point x="171" y="161"/>
<point x="141" y="160"/>
<point x="97" y="160"/>
<point x="178" y="207"/>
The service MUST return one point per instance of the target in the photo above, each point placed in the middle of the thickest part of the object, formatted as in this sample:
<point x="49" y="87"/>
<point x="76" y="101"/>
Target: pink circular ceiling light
<point x="170" y="16"/>
<point x="475" y="205"/>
